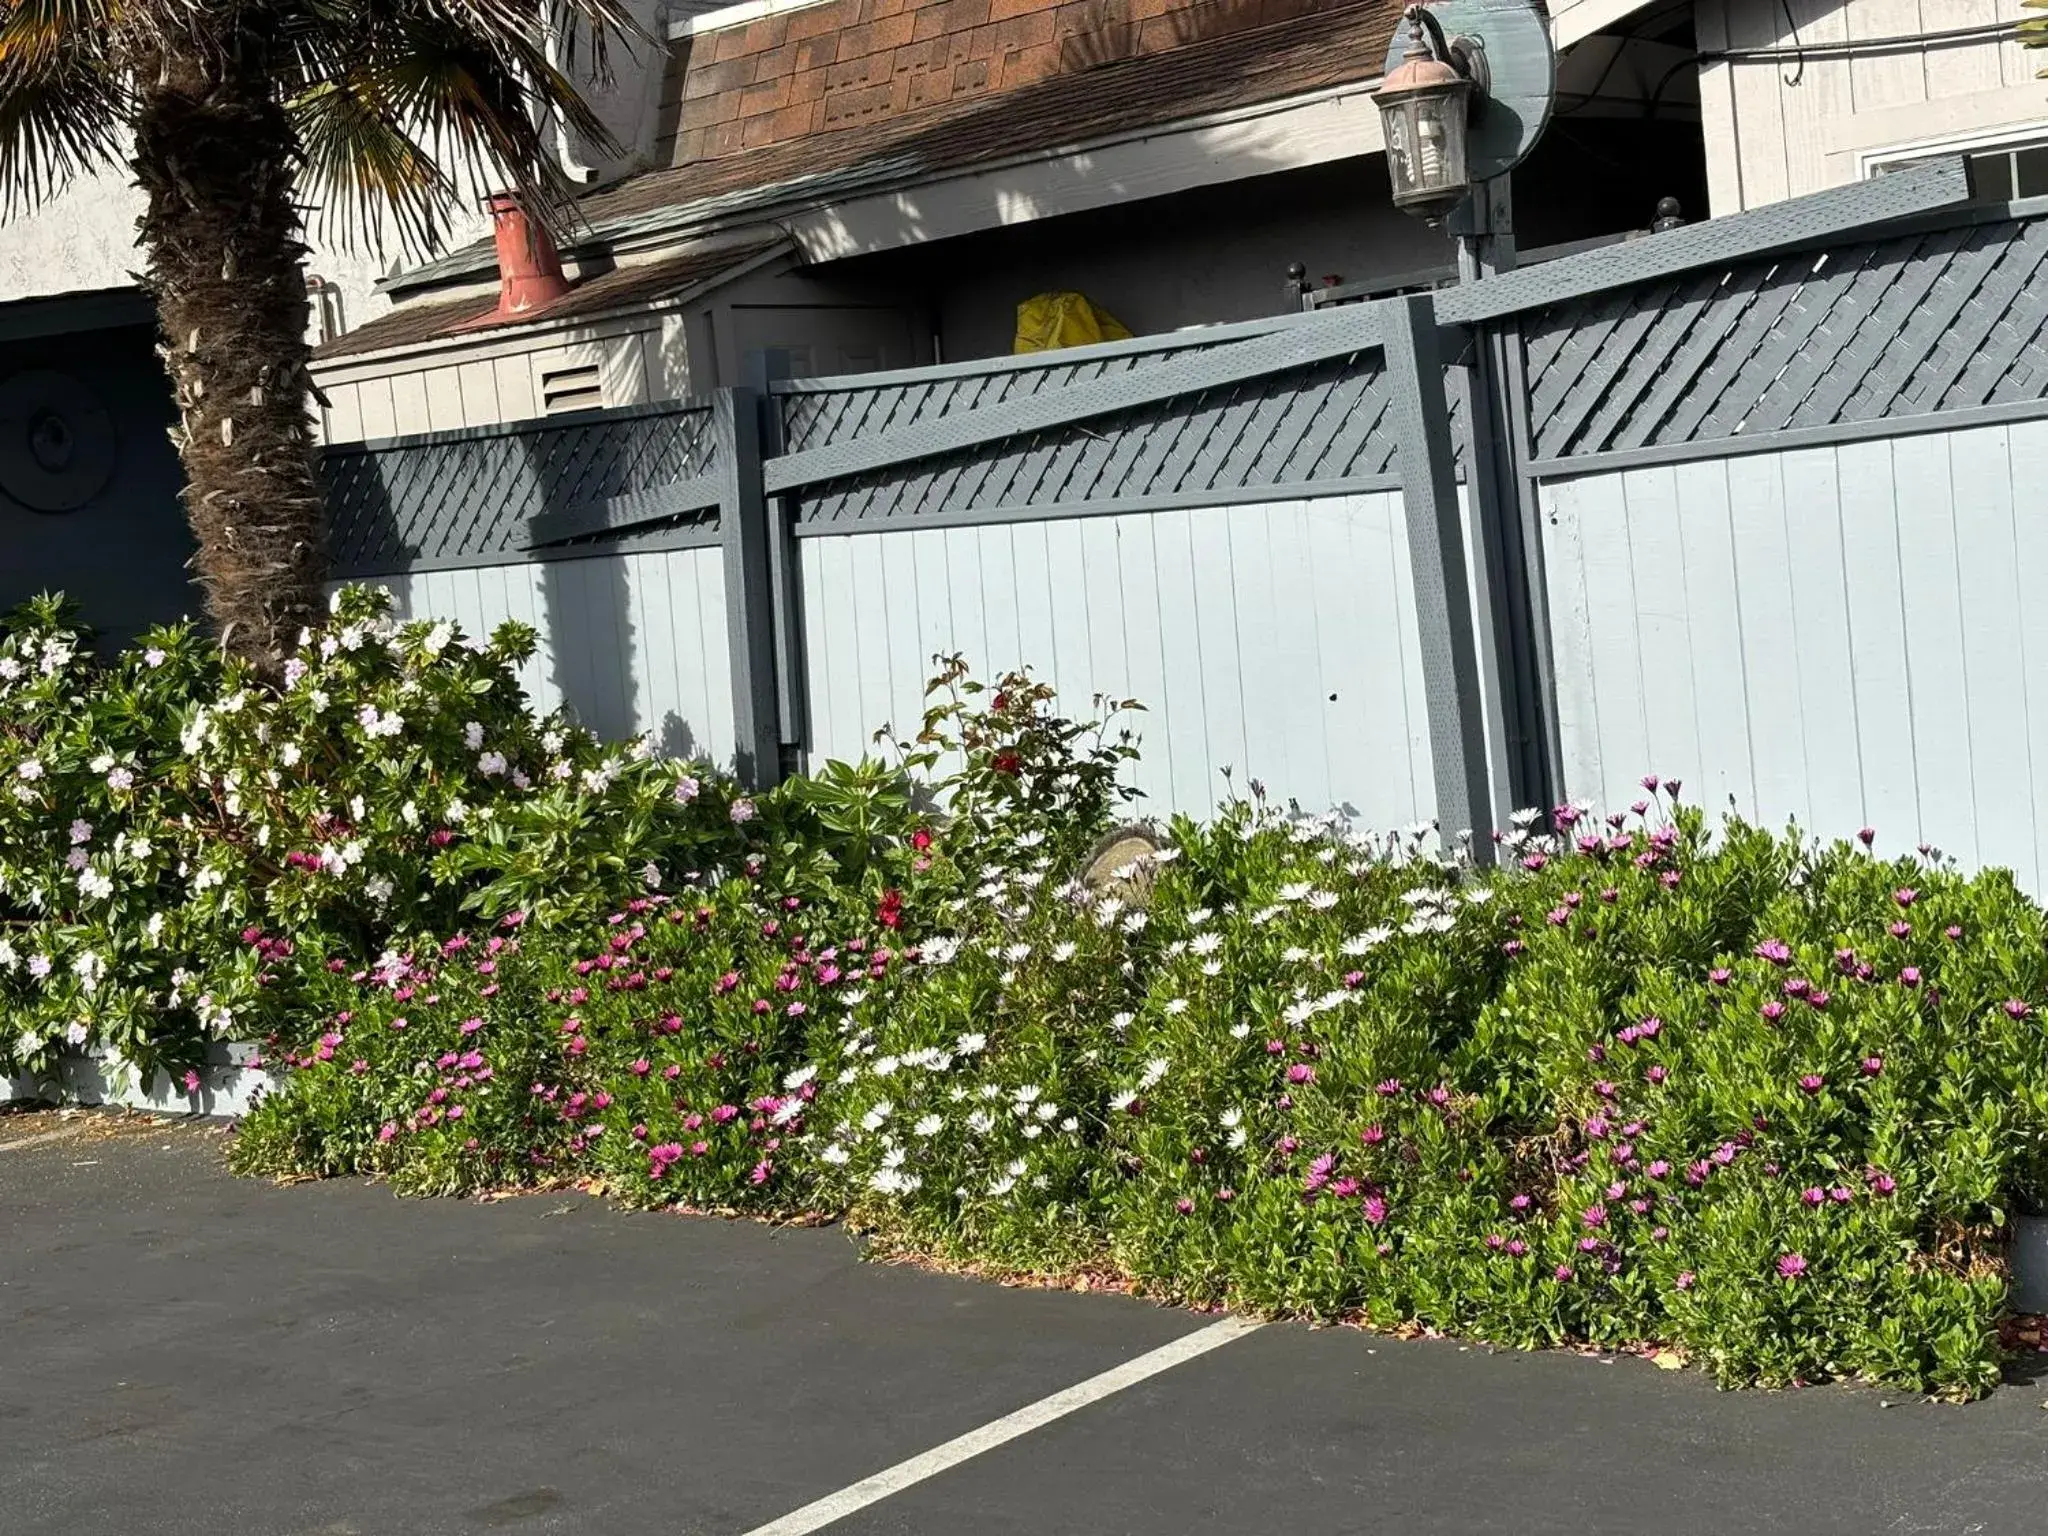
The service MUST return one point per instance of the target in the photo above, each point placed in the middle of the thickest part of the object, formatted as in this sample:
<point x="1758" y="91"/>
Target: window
<point x="2002" y="170"/>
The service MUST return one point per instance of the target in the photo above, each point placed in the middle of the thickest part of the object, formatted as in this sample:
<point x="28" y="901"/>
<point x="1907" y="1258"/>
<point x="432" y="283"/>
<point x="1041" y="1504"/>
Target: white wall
<point x="1778" y="128"/>
<point x="1276" y="639"/>
<point x="633" y="644"/>
<point x="1846" y="635"/>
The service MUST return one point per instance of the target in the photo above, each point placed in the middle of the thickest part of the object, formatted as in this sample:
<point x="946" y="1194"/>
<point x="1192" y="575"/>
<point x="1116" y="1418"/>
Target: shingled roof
<point x="822" y="103"/>
<point x="621" y="288"/>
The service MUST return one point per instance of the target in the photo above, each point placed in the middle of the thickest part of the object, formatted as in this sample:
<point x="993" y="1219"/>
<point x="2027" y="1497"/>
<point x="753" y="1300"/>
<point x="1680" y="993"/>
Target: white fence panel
<point x="1275" y="639"/>
<point x="1838" y="635"/>
<point x="633" y="644"/>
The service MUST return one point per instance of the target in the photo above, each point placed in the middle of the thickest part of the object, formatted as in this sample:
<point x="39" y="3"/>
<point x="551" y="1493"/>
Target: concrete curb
<point x="230" y="1084"/>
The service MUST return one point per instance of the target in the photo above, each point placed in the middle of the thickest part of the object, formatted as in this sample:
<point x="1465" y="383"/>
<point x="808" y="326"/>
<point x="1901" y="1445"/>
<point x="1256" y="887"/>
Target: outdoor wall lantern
<point x="1427" y="106"/>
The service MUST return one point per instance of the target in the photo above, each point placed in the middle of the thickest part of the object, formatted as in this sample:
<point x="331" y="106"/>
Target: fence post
<point x="762" y="370"/>
<point x="1436" y="552"/>
<point x="1508" y="546"/>
<point x="749" y="603"/>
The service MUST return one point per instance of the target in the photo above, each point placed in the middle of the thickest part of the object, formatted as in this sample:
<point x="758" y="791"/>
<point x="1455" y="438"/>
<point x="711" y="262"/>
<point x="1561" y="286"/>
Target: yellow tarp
<point x="1054" y="320"/>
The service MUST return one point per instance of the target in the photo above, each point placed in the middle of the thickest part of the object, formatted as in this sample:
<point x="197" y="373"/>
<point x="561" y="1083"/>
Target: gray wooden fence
<point x="1742" y="503"/>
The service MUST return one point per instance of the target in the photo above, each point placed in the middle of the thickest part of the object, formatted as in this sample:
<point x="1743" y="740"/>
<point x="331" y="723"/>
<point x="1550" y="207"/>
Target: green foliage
<point x="177" y="839"/>
<point x="1645" y="1080"/>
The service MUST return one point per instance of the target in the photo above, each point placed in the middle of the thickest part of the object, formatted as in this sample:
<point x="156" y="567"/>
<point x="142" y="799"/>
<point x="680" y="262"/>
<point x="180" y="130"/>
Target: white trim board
<point x="1578" y="20"/>
<point x="1282" y="135"/>
<point x="728" y="16"/>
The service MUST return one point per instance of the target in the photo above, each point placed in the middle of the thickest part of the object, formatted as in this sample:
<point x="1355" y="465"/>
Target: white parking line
<point x="870" y="1490"/>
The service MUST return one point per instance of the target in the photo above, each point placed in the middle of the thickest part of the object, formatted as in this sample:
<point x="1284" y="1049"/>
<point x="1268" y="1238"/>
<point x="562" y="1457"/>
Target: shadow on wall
<point x="587" y="625"/>
<point x="89" y="487"/>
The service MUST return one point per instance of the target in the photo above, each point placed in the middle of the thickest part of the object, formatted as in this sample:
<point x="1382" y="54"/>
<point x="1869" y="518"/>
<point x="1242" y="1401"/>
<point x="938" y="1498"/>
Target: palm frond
<point x="63" y="103"/>
<point x="463" y="86"/>
<point x="362" y="166"/>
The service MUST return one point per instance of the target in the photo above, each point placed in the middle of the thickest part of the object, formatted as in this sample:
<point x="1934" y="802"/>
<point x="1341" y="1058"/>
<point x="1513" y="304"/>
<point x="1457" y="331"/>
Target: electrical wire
<point x="1800" y="52"/>
<point x="1855" y="45"/>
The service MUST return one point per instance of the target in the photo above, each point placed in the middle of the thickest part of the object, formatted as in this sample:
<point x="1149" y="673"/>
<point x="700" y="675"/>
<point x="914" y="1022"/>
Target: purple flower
<point x="1519" y="1203"/>
<point x="1389" y="1089"/>
<point x="1657" y="1074"/>
<point x="1867" y="836"/>
<point x="1872" y="1066"/>
<point x="1720" y="976"/>
<point x="1841" y="1196"/>
<point x="1495" y="1241"/>
<point x="1909" y="976"/>
<point x="1184" y="1206"/>
<point x="1813" y="1196"/>
<point x="1594" y="1216"/>
<point x="2015" y="1009"/>
<point x="1563" y="1273"/>
<point x="1516" y="1248"/>
<point x="1773" y="1011"/>
<point x="1812" y="1082"/>
<point x="1774" y="950"/>
<point x="1375" y="1209"/>
<point x="1685" y="1280"/>
<point x="1301" y="1072"/>
<point x="1650" y="782"/>
<point x="1881" y="1184"/>
<point x="1791" y="1266"/>
<point x="1659" y="1169"/>
<point x="1905" y="896"/>
<point x="1900" y="929"/>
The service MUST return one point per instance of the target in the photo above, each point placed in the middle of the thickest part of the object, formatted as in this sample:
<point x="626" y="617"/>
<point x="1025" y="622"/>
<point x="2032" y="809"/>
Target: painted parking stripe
<point x="870" y="1490"/>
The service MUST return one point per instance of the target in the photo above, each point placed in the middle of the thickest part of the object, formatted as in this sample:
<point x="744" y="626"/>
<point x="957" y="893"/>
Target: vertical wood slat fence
<point x="1743" y="503"/>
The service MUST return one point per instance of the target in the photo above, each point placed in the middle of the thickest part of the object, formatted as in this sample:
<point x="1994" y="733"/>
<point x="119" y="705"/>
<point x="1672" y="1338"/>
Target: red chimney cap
<point x="529" y="267"/>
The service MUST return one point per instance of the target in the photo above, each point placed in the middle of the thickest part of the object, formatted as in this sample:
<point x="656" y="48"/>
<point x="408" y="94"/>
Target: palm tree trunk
<point x="214" y="155"/>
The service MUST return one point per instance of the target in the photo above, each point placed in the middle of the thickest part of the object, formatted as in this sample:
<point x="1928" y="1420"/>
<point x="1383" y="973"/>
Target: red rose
<point x="1006" y="762"/>
<point x="921" y="839"/>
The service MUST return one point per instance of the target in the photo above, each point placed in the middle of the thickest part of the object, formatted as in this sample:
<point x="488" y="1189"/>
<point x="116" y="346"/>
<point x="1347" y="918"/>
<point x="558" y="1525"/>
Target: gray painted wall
<point x="1196" y="258"/>
<point x="123" y="554"/>
<point x="1845" y="636"/>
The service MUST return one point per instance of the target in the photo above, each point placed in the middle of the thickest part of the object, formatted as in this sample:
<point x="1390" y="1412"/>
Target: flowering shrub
<point x="1641" y="1081"/>
<point x="176" y="839"/>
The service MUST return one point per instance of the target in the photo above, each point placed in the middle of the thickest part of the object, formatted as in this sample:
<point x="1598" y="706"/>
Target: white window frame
<point x="2007" y="136"/>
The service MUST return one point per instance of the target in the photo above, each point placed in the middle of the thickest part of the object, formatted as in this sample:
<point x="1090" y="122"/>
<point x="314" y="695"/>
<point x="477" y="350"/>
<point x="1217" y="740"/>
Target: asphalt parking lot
<point x="182" y="1351"/>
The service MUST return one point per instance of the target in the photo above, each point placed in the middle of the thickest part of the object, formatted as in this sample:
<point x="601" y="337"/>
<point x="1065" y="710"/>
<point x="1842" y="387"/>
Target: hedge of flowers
<point x="175" y="837"/>
<point x="1636" y="1080"/>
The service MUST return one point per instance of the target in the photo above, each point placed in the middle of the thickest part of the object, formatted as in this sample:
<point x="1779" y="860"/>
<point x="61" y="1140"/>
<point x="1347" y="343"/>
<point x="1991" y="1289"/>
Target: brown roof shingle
<point x="1066" y="97"/>
<point x="1098" y="99"/>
